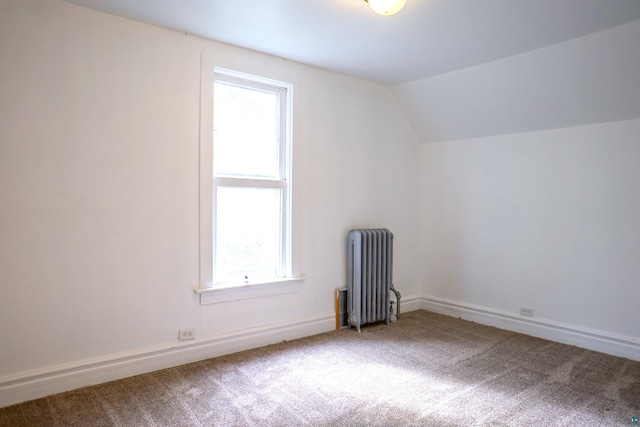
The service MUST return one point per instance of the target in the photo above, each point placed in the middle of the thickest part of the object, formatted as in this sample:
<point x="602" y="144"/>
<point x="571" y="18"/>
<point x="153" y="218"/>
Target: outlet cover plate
<point x="186" y="334"/>
<point x="526" y="311"/>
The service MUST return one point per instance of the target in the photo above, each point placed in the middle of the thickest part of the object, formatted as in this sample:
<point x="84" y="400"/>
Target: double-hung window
<point x="251" y="200"/>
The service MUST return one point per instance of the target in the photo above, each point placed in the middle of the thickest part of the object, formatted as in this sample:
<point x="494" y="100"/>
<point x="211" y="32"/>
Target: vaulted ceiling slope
<point x="461" y="68"/>
<point x="591" y="79"/>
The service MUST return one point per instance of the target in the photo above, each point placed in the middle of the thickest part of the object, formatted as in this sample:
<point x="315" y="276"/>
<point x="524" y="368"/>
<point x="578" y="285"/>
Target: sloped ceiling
<point x="460" y="68"/>
<point x="591" y="79"/>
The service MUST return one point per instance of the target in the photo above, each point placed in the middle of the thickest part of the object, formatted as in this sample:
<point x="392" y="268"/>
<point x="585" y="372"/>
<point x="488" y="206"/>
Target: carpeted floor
<point x="426" y="370"/>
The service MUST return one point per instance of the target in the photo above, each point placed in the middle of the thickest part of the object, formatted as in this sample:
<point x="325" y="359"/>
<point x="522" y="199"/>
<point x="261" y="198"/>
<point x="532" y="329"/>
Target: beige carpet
<point x="426" y="370"/>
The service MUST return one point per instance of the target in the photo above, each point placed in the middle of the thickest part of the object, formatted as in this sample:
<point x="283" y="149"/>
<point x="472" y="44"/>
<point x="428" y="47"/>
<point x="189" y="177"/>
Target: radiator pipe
<point x="398" y="296"/>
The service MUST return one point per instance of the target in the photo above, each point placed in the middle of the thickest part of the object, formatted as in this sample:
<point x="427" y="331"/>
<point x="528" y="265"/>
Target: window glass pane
<point x="246" y="138"/>
<point x="248" y="233"/>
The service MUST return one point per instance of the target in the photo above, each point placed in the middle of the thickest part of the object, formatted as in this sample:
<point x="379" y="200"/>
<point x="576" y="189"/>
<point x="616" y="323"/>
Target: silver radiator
<point x="370" y="268"/>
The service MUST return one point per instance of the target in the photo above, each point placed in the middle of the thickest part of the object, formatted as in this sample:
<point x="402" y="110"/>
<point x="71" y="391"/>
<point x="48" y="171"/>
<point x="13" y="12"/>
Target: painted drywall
<point x="591" y="79"/>
<point x="99" y="139"/>
<point x="548" y="220"/>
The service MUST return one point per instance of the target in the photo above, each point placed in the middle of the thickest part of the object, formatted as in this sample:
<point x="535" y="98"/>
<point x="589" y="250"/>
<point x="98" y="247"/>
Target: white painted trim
<point x="235" y="292"/>
<point x="35" y="384"/>
<point x="410" y="303"/>
<point x="205" y="181"/>
<point x="604" y="342"/>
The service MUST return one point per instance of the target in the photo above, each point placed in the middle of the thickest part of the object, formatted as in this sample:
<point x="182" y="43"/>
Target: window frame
<point x="208" y="291"/>
<point x="282" y="182"/>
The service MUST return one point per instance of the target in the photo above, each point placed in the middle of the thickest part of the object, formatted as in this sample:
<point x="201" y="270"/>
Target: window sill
<point x="239" y="292"/>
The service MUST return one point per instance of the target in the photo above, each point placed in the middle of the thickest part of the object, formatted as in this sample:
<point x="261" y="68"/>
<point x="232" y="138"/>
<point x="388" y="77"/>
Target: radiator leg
<point x="398" y="296"/>
<point x="353" y="321"/>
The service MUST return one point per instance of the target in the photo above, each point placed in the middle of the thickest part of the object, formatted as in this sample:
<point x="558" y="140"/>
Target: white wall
<point x="546" y="216"/>
<point x="99" y="125"/>
<point x="548" y="220"/>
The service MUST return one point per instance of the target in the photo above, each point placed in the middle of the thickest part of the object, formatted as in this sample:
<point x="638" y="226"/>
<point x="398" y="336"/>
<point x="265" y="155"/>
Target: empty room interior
<point x="499" y="141"/>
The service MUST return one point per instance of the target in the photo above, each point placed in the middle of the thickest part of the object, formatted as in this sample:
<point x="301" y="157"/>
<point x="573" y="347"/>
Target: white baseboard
<point x="554" y="331"/>
<point x="36" y="384"/>
<point x="411" y="303"/>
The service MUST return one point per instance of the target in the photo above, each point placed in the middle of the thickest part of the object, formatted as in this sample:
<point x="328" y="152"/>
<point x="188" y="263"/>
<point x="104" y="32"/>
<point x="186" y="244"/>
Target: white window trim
<point x="250" y="290"/>
<point x="211" y="293"/>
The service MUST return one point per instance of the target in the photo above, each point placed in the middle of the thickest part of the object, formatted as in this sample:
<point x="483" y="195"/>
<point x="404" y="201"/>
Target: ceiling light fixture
<point x="386" y="7"/>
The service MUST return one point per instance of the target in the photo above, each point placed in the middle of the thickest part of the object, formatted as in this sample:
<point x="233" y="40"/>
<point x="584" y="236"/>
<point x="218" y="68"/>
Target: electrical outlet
<point x="186" y="334"/>
<point x="526" y="311"/>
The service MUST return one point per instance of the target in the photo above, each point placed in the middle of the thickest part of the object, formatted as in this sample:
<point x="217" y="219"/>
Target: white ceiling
<point x="427" y="38"/>
<point x="460" y="69"/>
